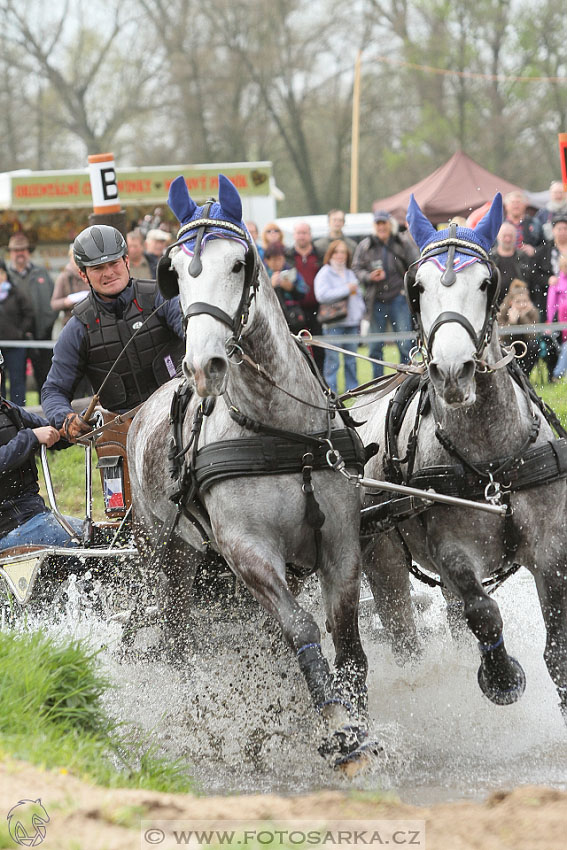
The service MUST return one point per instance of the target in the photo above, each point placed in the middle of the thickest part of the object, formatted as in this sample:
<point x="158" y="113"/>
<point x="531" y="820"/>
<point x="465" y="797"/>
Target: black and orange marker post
<point x="104" y="190"/>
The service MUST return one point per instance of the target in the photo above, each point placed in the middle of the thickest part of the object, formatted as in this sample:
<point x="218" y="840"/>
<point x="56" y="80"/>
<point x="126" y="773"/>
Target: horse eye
<point x="238" y="266"/>
<point x="484" y="284"/>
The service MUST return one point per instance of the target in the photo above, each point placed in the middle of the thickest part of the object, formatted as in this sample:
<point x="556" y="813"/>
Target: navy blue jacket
<point x="28" y="502"/>
<point x="70" y="353"/>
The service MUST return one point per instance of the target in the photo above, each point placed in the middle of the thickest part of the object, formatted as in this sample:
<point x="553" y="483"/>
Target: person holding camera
<point x="335" y="283"/>
<point x="380" y="263"/>
<point x="288" y="285"/>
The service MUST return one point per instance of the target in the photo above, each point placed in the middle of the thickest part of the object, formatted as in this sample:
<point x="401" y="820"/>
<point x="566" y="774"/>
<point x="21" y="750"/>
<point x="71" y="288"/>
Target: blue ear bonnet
<point x="483" y="235"/>
<point x="227" y="211"/>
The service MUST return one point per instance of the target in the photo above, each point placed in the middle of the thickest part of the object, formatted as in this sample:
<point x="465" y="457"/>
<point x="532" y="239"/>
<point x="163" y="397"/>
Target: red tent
<point x="456" y="188"/>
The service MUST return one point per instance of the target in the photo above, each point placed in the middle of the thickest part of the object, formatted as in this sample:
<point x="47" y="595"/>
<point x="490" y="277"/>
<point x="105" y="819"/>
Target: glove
<point x="73" y="427"/>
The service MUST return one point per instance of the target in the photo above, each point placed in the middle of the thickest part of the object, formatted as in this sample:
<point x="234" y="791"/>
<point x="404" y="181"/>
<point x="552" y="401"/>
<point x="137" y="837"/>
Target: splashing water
<point x="238" y="711"/>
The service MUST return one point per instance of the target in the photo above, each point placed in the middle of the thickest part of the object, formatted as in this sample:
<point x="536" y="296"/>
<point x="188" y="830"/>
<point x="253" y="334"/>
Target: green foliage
<point x="51" y="714"/>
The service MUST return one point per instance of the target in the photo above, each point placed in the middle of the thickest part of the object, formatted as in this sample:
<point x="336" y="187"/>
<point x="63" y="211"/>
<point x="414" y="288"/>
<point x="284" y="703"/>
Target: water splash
<point x="237" y="707"/>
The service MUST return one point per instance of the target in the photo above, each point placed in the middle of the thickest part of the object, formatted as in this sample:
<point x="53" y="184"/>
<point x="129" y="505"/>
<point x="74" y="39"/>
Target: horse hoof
<point x="358" y="760"/>
<point x="503" y="696"/>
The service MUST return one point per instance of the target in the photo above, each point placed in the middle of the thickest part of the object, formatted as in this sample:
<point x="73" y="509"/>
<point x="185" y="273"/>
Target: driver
<point x="24" y="517"/>
<point x="117" y="309"/>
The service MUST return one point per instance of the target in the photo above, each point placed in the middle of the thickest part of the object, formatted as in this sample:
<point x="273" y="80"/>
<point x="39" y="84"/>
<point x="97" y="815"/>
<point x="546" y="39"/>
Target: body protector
<point x="15" y="482"/>
<point x="150" y="360"/>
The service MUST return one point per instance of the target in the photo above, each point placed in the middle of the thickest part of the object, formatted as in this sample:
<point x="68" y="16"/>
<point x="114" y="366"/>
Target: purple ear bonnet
<point x="483" y="235"/>
<point x="228" y="209"/>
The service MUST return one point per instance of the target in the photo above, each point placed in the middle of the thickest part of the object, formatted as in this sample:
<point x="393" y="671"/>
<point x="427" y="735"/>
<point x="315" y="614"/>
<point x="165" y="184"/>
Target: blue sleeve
<point x="24" y="444"/>
<point x="171" y="314"/>
<point x="67" y="368"/>
<point x="300" y="288"/>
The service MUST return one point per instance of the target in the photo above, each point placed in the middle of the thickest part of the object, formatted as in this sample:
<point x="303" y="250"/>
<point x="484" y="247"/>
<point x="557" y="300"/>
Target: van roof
<point x="357" y="225"/>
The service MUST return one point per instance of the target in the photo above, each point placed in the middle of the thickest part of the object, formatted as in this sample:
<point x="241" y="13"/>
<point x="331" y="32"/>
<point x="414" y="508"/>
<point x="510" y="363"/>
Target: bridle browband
<point x="196" y="230"/>
<point x="450" y="246"/>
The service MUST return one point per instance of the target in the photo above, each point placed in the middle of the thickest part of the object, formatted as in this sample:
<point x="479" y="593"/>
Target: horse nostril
<point x="434" y="372"/>
<point x="467" y="371"/>
<point x="216" y="366"/>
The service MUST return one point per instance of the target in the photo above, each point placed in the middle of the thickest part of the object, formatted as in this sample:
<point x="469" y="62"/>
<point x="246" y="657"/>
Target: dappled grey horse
<point x="473" y="428"/>
<point x="257" y="458"/>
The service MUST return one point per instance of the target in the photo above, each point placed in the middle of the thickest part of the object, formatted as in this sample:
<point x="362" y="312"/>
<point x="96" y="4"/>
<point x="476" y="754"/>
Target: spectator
<point x="69" y="289"/>
<point x="518" y="309"/>
<point x="140" y="267"/>
<point x="288" y="285"/>
<point x="557" y="312"/>
<point x="506" y="257"/>
<point x="307" y="260"/>
<point x="16" y="322"/>
<point x="557" y="204"/>
<point x="336" y="219"/>
<point x="253" y="231"/>
<point x="157" y="241"/>
<point x="529" y="232"/>
<point x="271" y="234"/>
<point x="545" y="264"/>
<point x="380" y="263"/>
<point x="336" y="280"/>
<point x="35" y="282"/>
<point x="24" y="518"/>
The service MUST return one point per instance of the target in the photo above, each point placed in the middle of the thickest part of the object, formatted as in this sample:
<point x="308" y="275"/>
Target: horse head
<point x="215" y="286"/>
<point x="452" y="291"/>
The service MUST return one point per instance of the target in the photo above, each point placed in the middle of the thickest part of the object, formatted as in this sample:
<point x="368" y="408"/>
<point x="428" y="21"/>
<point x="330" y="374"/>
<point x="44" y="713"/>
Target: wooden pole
<point x="355" y="135"/>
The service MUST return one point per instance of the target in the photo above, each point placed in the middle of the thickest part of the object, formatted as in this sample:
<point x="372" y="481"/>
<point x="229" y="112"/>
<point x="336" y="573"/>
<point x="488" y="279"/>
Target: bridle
<point x="491" y="284"/>
<point x="168" y="279"/>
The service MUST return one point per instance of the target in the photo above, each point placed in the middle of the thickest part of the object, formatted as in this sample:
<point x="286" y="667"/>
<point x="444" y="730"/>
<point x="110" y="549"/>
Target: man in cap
<point x="35" y="282"/>
<point x="157" y="241"/>
<point x="380" y="263"/>
<point x="24" y="517"/>
<point x="117" y="311"/>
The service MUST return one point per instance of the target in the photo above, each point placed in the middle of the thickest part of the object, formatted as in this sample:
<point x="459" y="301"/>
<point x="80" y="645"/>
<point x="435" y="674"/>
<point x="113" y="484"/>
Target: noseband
<point x="450" y="246"/>
<point x="169" y="283"/>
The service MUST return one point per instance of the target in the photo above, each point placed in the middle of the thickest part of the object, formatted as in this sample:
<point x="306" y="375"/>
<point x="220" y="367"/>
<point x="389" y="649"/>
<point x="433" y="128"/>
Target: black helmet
<point x="98" y="244"/>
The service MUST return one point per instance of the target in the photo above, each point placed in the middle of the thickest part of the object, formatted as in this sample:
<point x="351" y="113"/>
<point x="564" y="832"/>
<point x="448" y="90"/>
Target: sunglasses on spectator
<point x="273" y="230"/>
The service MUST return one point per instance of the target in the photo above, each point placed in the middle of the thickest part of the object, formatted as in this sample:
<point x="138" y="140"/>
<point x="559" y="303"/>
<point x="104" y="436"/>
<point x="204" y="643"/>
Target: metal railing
<point x="390" y="336"/>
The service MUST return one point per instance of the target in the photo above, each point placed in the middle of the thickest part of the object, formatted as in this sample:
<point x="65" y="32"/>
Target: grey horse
<point x="239" y="351"/>
<point x="472" y="427"/>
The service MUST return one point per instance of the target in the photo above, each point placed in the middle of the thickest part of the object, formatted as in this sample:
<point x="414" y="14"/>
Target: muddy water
<point x="237" y="710"/>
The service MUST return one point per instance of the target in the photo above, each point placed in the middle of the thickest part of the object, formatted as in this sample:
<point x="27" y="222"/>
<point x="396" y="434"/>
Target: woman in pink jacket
<point x="557" y="311"/>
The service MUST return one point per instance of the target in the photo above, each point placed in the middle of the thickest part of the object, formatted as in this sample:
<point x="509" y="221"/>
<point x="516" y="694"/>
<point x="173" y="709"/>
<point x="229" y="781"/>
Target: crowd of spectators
<point x="530" y="251"/>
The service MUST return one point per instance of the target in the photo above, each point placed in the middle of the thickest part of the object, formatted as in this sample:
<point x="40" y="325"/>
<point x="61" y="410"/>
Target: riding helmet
<point x="97" y="244"/>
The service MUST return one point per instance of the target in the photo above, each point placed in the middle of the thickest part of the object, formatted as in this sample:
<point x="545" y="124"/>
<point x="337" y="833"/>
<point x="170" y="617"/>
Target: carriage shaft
<point x="432" y="496"/>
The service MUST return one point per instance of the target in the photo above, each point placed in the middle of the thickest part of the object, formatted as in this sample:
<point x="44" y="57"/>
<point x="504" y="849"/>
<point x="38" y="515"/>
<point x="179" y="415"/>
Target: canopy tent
<point x="455" y="188"/>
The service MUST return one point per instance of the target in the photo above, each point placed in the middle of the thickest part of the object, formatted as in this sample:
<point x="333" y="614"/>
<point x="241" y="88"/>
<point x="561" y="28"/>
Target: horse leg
<point x="179" y="567"/>
<point x="348" y="742"/>
<point x="552" y="590"/>
<point x="500" y="676"/>
<point x="386" y="568"/>
<point x="263" y="572"/>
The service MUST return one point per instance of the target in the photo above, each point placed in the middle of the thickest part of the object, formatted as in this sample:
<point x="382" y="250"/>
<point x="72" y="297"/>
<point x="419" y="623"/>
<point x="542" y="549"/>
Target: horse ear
<point x="179" y="201"/>
<point x="488" y="227"/>
<point x="167" y="278"/>
<point x="229" y="199"/>
<point x="420" y="227"/>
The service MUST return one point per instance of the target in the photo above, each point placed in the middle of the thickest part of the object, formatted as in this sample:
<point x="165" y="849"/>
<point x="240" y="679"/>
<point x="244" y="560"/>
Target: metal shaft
<point x="432" y="496"/>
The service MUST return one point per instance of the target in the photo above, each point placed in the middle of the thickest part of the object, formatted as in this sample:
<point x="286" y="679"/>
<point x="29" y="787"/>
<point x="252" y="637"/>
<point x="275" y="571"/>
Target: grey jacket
<point x="37" y="284"/>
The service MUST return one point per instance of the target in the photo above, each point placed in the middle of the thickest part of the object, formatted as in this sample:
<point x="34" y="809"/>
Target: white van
<point x="357" y="225"/>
